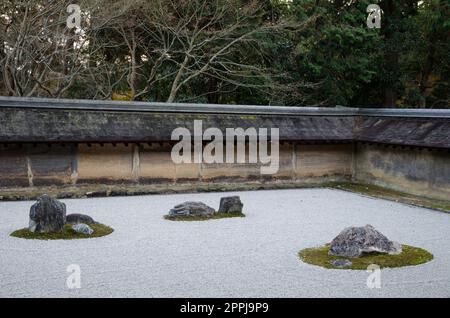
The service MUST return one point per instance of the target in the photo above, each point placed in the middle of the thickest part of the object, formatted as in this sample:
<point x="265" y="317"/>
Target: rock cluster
<point x="47" y="215"/>
<point x="354" y="241"/>
<point x="231" y="204"/>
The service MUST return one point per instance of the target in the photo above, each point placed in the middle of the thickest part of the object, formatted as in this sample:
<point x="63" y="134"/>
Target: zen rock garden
<point x="352" y="248"/>
<point x="198" y="211"/>
<point x="290" y="244"/>
<point x="48" y="220"/>
<point x="359" y="247"/>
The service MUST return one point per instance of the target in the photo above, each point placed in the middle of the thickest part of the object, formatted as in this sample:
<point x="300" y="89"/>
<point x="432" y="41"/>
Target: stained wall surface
<point x="418" y="171"/>
<point x="55" y="164"/>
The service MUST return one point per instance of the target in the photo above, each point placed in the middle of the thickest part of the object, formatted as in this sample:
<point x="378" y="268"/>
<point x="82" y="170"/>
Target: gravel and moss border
<point x="67" y="234"/>
<point x="393" y="195"/>
<point x="103" y="190"/>
<point x="410" y="256"/>
<point x="214" y="216"/>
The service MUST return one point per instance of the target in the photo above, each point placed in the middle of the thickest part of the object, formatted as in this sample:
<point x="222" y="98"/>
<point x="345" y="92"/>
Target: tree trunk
<point x="133" y="73"/>
<point x="176" y="81"/>
<point x="213" y="96"/>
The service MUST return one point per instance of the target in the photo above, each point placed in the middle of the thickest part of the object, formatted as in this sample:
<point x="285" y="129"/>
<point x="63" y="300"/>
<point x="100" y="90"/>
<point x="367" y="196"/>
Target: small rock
<point x="191" y="208"/>
<point x="96" y="194"/>
<point x="341" y="263"/>
<point x="79" y="218"/>
<point x="64" y="195"/>
<point x="47" y="215"/>
<point x="230" y="205"/>
<point x="354" y="241"/>
<point x="82" y="228"/>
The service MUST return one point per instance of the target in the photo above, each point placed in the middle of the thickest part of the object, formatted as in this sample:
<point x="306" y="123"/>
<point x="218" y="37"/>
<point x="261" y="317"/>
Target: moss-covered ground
<point x="388" y="194"/>
<point x="410" y="256"/>
<point x="66" y="234"/>
<point x="99" y="190"/>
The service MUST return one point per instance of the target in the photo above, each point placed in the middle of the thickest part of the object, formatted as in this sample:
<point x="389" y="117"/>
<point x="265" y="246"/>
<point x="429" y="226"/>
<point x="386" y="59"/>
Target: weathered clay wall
<point x="418" y="171"/>
<point x="57" y="142"/>
<point x="34" y="165"/>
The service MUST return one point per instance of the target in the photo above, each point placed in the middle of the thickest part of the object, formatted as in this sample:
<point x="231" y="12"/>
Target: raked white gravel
<point x="256" y="256"/>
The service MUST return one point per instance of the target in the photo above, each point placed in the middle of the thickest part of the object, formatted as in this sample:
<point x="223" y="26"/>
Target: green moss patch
<point x="410" y="256"/>
<point x="214" y="216"/>
<point x="66" y="234"/>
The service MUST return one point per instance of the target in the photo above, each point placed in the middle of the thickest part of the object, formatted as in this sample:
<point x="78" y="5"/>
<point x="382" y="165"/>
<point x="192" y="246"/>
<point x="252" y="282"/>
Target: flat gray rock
<point x="79" y="218"/>
<point x="354" y="241"/>
<point x="341" y="263"/>
<point x="231" y="204"/>
<point x="82" y="228"/>
<point x="191" y="208"/>
<point x="47" y="215"/>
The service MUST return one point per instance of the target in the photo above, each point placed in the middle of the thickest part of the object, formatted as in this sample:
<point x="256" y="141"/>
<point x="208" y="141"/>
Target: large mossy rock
<point x="47" y="215"/>
<point x="191" y="208"/>
<point x="354" y="241"/>
<point x="231" y="204"/>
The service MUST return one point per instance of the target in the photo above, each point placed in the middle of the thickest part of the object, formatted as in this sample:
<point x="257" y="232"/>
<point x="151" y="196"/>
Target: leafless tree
<point x="134" y="46"/>
<point x="178" y="41"/>
<point x="207" y="37"/>
<point x="41" y="56"/>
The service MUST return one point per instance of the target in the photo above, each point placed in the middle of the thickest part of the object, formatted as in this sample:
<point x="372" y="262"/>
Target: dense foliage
<point x="273" y="52"/>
